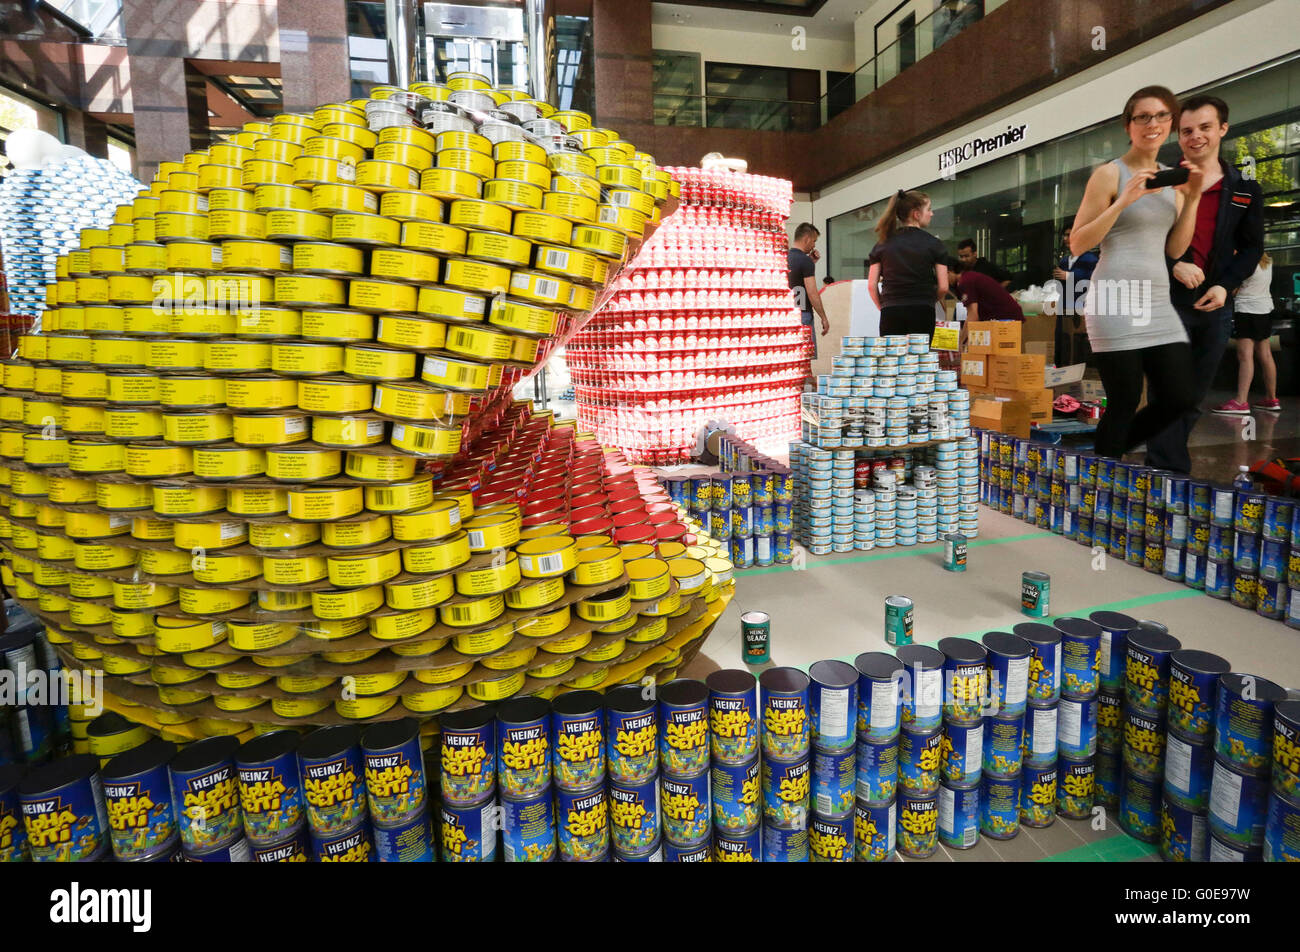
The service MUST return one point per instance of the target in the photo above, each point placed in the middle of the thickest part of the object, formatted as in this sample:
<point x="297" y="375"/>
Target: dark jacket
<point x="1238" y="240"/>
<point x="1084" y="265"/>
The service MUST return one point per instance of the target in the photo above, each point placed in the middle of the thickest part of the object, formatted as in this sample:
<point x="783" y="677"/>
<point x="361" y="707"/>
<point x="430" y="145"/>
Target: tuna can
<point x="1189" y="770"/>
<point x="962" y="754"/>
<point x="919" y="755"/>
<point x="1038" y="796"/>
<point x="880" y="700"/>
<point x="1139" y="806"/>
<point x="1114" y="637"/>
<point x="959" y="816"/>
<point x="833" y="701"/>
<point x="1076" y="727"/>
<point x="756" y="633"/>
<point x="786" y="731"/>
<point x="1278" y="515"/>
<point x="270" y="787"/>
<point x="205" y="793"/>
<point x="468" y="834"/>
<point x="735" y="795"/>
<point x="582" y="822"/>
<point x="785" y="845"/>
<point x="1044" y="685"/>
<point x="740" y="847"/>
<point x="1074" y="788"/>
<point x="877" y="769"/>
<point x="922" y="687"/>
<point x="410" y="841"/>
<point x="292" y="849"/>
<point x="1147" y="660"/>
<point x="1222" y="852"/>
<point x="964" y="680"/>
<point x="898" y="620"/>
<point x="954" y="552"/>
<point x="634" y="815"/>
<point x="830" y="839"/>
<point x="333" y="780"/>
<point x="1038" y="748"/>
<point x="577" y="726"/>
<point x="786" y="790"/>
<point x="1080" y="657"/>
<point x="138" y="801"/>
<point x="1243" y="721"/>
<point x="1238" y="804"/>
<point x="523" y="748"/>
<point x="733" y="730"/>
<point x="1035" y="594"/>
<point x="1000" y="807"/>
<point x="394" y="771"/>
<point x="1106" y="774"/>
<point x="1193" y="684"/>
<point x="1184" y="834"/>
<point x="684" y="802"/>
<point x="467" y="757"/>
<point x="1282" y="831"/>
<point x="350" y="846"/>
<point x="1286" y="749"/>
<point x="1144" y="743"/>
<point x="700" y="853"/>
<point x="1008" y="662"/>
<point x="918" y="825"/>
<point x="529" y="828"/>
<point x="684" y="727"/>
<point x="1004" y="737"/>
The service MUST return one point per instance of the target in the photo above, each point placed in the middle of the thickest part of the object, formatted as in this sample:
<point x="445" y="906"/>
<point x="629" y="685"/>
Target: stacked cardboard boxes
<point x="1005" y="375"/>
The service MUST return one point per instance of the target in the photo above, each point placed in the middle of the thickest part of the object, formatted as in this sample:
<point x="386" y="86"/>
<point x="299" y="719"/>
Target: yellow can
<point x="334" y="396"/>
<point x="230" y="223"/>
<point x="309" y="170"/>
<point x="539" y="288"/>
<point x="421" y="648"/>
<point x="132" y="388"/>
<point x="546" y="624"/>
<point x="483" y="642"/>
<point x="309" y="291"/>
<point x="469" y="614"/>
<point x="228" y="462"/>
<point x="318" y="504"/>
<point x="176" y="635"/>
<point x="601" y="241"/>
<point x="433" y="236"/>
<point x="504" y="249"/>
<point x="376" y="363"/>
<point x="141" y="595"/>
<point x="255" y="255"/>
<point x="234" y="703"/>
<point x="413" y="596"/>
<point x="410" y="206"/>
<point x="123" y="496"/>
<point x="152" y="530"/>
<point x="196" y="428"/>
<point x="368" y="685"/>
<point x="145" y="258"/>
<point x="449" y="184"/>
<point x="210" y="535"/>
<point x="336" y="198"/>
<point x="554" y="669"/>
<point x="606" y="607"/>
<point x="400" y="264"/>
<point x="484" y="215"/>
<point x="380" y="176"/>
<point x="166" y="562"/>
<point x="455" y="374"/>
<point x="174" y="354"/>
<point x="247" y="636"/>
<point x="154" y="462"/>
<point x="266" y="431"/>
<point x="306" y="359"/>
<point x="38" y="451"/>
<point x="618" y="626"/>
<point x="596" y="566"/>
<point x="177" y="226"/>
<point x="490" y="579"/>
<point x="187" y="500"/>
<point x="651" y="632"/>
<point x="219" y="569"/>
<point x="421" y="440"/>
<point x="404" y="153"/>
<point x="292" y="570"/>
<point x="400" y="497"/>
<point x="509" y="660"/>
<point x="302" y="683"/>
<point x="298" y="708"/>
<point x="191" y="392"/>
<point x="278" y="198"/>
<point x="353" y="571"/>
<point x="542" y="227"/>
<point x="535" y="595"/>
<point x="478" y="164"/>
<point x="374" y="467"/>
<point x="235" y="680"/>
<point x="518" y="152"/>
<point x="343" y="326"/>
<point x="303" y="463"/>
<point x="576" y="208"/>
<point x="358" y="134"/>
<point x="346" y="432"/>
<point x="606" y="652"/>
<point x="365" y="229"/>
<point x="690" y="574"/>
<point x="406" y="625"/>
<point x="261" y="393"/>
<point x="237" y="199"/>
<point x="410" y="333"/>
<point x="667" y="605"/>
<point x="428" y="702"/>
<point x="497" y="689"/>
<point x="410" y="135"/>
<point x="333" y="606"/>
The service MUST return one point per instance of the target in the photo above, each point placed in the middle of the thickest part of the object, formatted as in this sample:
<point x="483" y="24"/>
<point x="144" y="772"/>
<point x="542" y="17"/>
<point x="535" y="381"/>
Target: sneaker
<point x="1232" y="408"/>
<point x="1268" y="405"/>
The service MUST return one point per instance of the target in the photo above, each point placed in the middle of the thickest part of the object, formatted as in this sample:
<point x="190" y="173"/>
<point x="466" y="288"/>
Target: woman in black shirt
<point x="910" y="264"/>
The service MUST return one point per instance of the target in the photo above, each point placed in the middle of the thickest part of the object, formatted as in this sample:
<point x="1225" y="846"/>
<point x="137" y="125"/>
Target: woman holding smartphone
<point x="910" y="263"/>
<point x="1133" y="329"/>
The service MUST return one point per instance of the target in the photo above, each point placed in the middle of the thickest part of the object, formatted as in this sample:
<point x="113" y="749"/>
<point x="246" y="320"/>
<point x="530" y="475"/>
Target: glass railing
<point x="734" y="112"/>
<point x="103" y="18"/>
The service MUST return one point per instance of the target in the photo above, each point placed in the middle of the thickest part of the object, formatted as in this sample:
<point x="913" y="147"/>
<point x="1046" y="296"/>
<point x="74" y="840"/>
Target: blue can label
<point x="295" y="849"/>
<point x="395" y="784"/>
<point x="1238" y="805"/>
<point x="1146" y="678"/>
<point x="721" y="492"/>
<point x="1044" y="672"/>
<point x="764" y="520"/>
<point x="735" y="795"/>
<point x="469" y="834"/>
<point x="700" y="853"/>
<point x="962" y="754"/>
<point x="529" y="829"/>
<point x="579" y="751"/>
<point x="634" y="815"/>
<point x="1286" y="758"/>
<point x="742" y="522"/>
<point x="684" y="802"/>
<point x="784" y="547"/>
<point x="732" y="728"/>
<point x="959" y="816"/>
<point x="1277" y="519"/>
<point x="830" y="840"/>
<point x="1139" y="807"/>
<point x="1184" y="835"/>
<point x="1219" y="578"/>
<point x="922" y="698"/>
<point x="141" y="820"/>
<point x="1191" y="701"/>
<point x="1243" y="730"/>
<point x="877" y="770"/>
<point x="352" y="846"/>
<point x="784" y="846"/>
<point x="1008" y="683"/>
<point x="407" y="842"/>
<point x="919" y="754"/>
<point x="720" y="526"/>
<point x="966" y="688"/>
<point x="583" y="824"/>
<point x="68" y="826"/>
<point x="1248" y="513"/>
<point x="684" y="739"/>
<point x="787" y="731"/>
<point x="1074" y="788"/>
<point x="1273" y="560"/>
<point x="834" y="782"/>
<point x="271" y="799"/>
<point x="524" y="759"/>
<point x="1105" y="778"/>
<point x="1194" y="571"/>
<point x="834" y="713"/>
<point x="1282" y="831"/>
<point x="1110" y="720"/>
<point x="1188" y="771"/>
<point x="1080" y="664"/>
<point x="786" y="791"/>
<point x="335" y="793"/>
<point x="1038" y="746"/>
<point x="783" y="517"/>
<point x="1272" y="597"/>
<point x="918" y="826"/>
<point x="880" y="706"/>
<point x="1144" y="744"/>
<point x="208" y="801"/>
<point x="738" y="847"/>
<point x="468" y="764"/>
<point x="1038" y="796"/>
<point x="1000" y="807"/>
<point x="1076" y="728"/>
<point x="1003" y="739"/>
<point x="632" y="746"/>
<point x="1245" y="552"/>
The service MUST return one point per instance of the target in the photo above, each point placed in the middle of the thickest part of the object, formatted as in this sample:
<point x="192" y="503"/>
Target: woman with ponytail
<point x="908" y="271"/>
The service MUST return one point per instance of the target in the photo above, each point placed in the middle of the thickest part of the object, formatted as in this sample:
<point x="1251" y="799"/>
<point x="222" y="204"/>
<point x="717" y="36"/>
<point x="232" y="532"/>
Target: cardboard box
<point x="1038" y="328"/>
<point x="1043" y="349"/>
<point x="1040" y="402"/>
<point x="1003" y="415"/>
<point x="975" y="370"/>
<point x="1061" y="376"/>
<point x="1017" y="372"/>
<point x="993" y="337"/>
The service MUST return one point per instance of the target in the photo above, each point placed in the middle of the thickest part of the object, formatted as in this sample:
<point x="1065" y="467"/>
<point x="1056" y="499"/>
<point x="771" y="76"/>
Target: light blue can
<point x="834" y="782"/>
<point x="1003" y="740"/>
<point x="468" y="834"/>
<point x="1000" y="806"/>
<point x="877" y="769"/>
<point x="784" y="845"/>
<point x="735" y="795"/>
<point x="961" y="759"/>
<point x="1076" y="727"/>
<point x="959" y="816"/>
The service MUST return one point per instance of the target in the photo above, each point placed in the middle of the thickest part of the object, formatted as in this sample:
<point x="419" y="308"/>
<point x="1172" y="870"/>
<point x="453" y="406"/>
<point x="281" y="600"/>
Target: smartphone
<point x="1165" y="177"/>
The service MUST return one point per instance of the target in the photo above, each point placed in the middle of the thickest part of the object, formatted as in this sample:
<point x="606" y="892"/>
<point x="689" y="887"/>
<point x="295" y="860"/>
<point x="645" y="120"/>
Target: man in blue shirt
<point x="1073" y="274"/>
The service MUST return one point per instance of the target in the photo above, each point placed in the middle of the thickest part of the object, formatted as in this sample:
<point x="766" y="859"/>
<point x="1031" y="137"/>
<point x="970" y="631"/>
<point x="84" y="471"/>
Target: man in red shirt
<point x="984" y="296"/>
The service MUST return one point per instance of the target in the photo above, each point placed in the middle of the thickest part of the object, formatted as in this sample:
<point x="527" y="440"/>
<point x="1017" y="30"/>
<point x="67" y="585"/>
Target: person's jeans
<point x="806" y="318"/>
<point x="1207" y="333"/>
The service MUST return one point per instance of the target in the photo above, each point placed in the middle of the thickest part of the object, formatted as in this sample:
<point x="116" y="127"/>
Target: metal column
<point x="539" y="72"/>
<point x="403" y="41"/>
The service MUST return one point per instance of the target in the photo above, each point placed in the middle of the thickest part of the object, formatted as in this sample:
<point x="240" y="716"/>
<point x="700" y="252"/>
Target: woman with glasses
<point x="1133" y="329"/>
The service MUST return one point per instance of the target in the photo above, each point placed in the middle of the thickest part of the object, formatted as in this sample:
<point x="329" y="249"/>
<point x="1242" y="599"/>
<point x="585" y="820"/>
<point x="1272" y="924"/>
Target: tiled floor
<point x="1219" y="444"/>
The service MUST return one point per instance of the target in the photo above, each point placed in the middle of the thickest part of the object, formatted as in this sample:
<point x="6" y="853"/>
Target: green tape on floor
<point x="1117" y="849"/>
<point x="898" y="553"/>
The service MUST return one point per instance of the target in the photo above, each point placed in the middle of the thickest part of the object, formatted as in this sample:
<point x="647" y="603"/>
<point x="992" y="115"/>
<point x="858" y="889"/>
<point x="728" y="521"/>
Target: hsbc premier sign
<point x="949" y="160"/>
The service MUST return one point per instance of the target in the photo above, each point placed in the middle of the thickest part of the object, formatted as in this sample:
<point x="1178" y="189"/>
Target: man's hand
<point x="1060" y="274"/>
<point x="1214" y="299"/>
<point x="1188" y="275"/>
<point x="815" y="255"/>
<point x="826" y="327"/>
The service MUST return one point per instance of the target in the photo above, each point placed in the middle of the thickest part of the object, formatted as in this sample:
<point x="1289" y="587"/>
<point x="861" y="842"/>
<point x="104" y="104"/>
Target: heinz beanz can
<point x="830" y="839"/>
<point x="468" y="834"/>
<point x="735" y="792"/>
<point x="270" y="787"/>
<point x="1146" y="668"/>
<point x="578" y="761"/>
<point x="1044" y="685"/>
<point x="582" y="823"/>
<point x="786" y="732"/>
<point x="1035" y="594"/>
<point x="964" y="680"/>
<point x="524" y="748"/>
<point x="1244" y="721"/>
<point x="922" y="686"/>
<point x="1074" y="788"/>
<point x="961" y="758"/>
<point x="756" y="636"/>
<point x="410" y="841"/>
<point x="874" y="831"/>
<point x="631" y="735"/>
<point x="877" y="769"/>
<point x="333" y="780"/>
<point x="1080" y="657"/>
<point x="833" y="702"/>
<point x="880" y="698"/>
<point x="733" y="728"/>
<point x="206" y="794"/>
<point x="959" y="816"/>
<point x="529" y="829"/>
<point x="954" y="552"/>
<point x="683" y="727"/>
<point x="1038" y="796"/>
<point x="918" y="825"/>
<point x="1193" y="685"/>
<point x="787" y="788"/>
<point x="138" y="801"/>
<point x="898" y="620"/>
<point x="684" y="803"/>
<point x="1008" y="664"/>
<point x="467" y="755"/>
<point x="1114" y="636"/>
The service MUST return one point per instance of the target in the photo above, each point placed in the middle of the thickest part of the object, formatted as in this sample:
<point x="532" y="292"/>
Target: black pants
<point x="1207" y="335"/>
<point x="1170" y="393"/>
<point x="907" y="319"/>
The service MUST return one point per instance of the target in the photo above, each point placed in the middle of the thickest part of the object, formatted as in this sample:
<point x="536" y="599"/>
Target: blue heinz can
<point x="1076" y="727"/>
<point x="742" y="489"/>
<point x="410" y="841"/>
<point x="742" y="522"/>
<point x="1223" y="499"/>
<point x="1000" y="807"/>
<point x="738" y="847"/>
<point x="1139" y="806"/>
<point x="1244" y="721"/>
<point x="834" y="781"/>
<point x="959" y="816"/>
<point x="1106" y="473"/>
<point x="270" y="788"/>
<point x="699" y="853"/>
<point x="238" y="850"/>
<point x="783" y="545"/>
<point x="783" y="518"/>
<point x="577" y="726"/>
<point x="1110" y="720"/>
<point x="13" y="832"/>
<point x="1080" y="657"/>
<point x="582" y="824"/>
<point x="1199" y="501"/>
<point x="1008" y="663"/>
<point x="874" y="831"/>
<point x="918" y="825"/>
<point x="1106" y="771"/>
<point x="1189" y="770"/>
<point x="684" y="803"/>
<point x="733" y="726"/>
<point x="528" y="834"/>
<point x="468" y="834"/>
<point x="351" y="846"/>
<point x="1248" y="512"/>
<point x="701" y="493"/>
<point x="524" y="747"/>
<point x="761" y="488"/>
<point x="1198" y="538"/>
<point x="965" y="678"/>
<point x="1272" y="598"/>
<point x="1173" y="564"/>
<point x="833" y="702"/>
<point x="1074" y="788"/>
<point x="877" y="769"/>
<point x="1273" y="557"/>
<point x="1193" y="687"/>
<point x="634" y="816"/>
<point x="1146" y="667"/>
<point x="138" y="801"/>
<point x="785" y="845"/>
<point x="742" y="553"/>
<point x="720" y="527"/>
<point x="880" y="698"/>
<point x="1144" y="743"/>
<point x="1038" y="796"/>
<point x="764" y="520"/>
<point x="1238" y="805"/>
<point x="294" y="849"/>
<point x="205" y="793"/>
<point x="961" y="759"/>
<point x="631" y="736"/>
<point x="1194" y="571"/>
<point x="786" y="732"/>
<point x="467" y="755"/>
<point x="1184" y="834"/>
<point x="735" y="795"/>
<point x="922" y="686"/>
<point x="1282" y="831"/>
<point x="1003" y="740"/>
<point x="1176" y="492"/>
<point x="1038" y="748"/>
<point x="786" y="792"/>
<point x="1278" y="513"/>
<point x="1044" y="685"/>
<point x="1286" y="749"/>
<point x="830" y="839"/>
<point x="919" y="753"/>
<point x="1245" y="552"/>
<point x="683" y="727"/>
<point x="394" y="764"/>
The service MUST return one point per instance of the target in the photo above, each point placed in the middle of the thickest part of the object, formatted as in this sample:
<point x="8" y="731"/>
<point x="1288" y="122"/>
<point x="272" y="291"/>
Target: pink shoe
<point x="1232" y="408"/>
<point x="1268" y="405"/>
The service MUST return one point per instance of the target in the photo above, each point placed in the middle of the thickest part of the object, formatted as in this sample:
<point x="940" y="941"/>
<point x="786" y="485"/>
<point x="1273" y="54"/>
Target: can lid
<point x="1080" y="627"/>
<point x="152" y="754"/>
<point x="471" y="719"/>
<point x="831" y="674"/>
<point x="1006" y="644"/>
<point x="1151" y="639"/>
<point x="877" y="665"/>
<point x="56" y="774"/>
<point x="1036" y="633"/>
<point x="1265" y="691"/>
<point x="731" y="681"/>
<point x="923" y="657"/>
<point x="108" y="724"/>
<point x="1287" y="711"/>
<point x="783" y="681"/>
<point x="627" y="699"/>
<point x="326" y="742"/>
<point x="683" y="692"/>
<point x="963" y="650"/>
<point x="578" y="703"/>
<point x="1114" y="622"/>
<point x="522" y="710"/>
